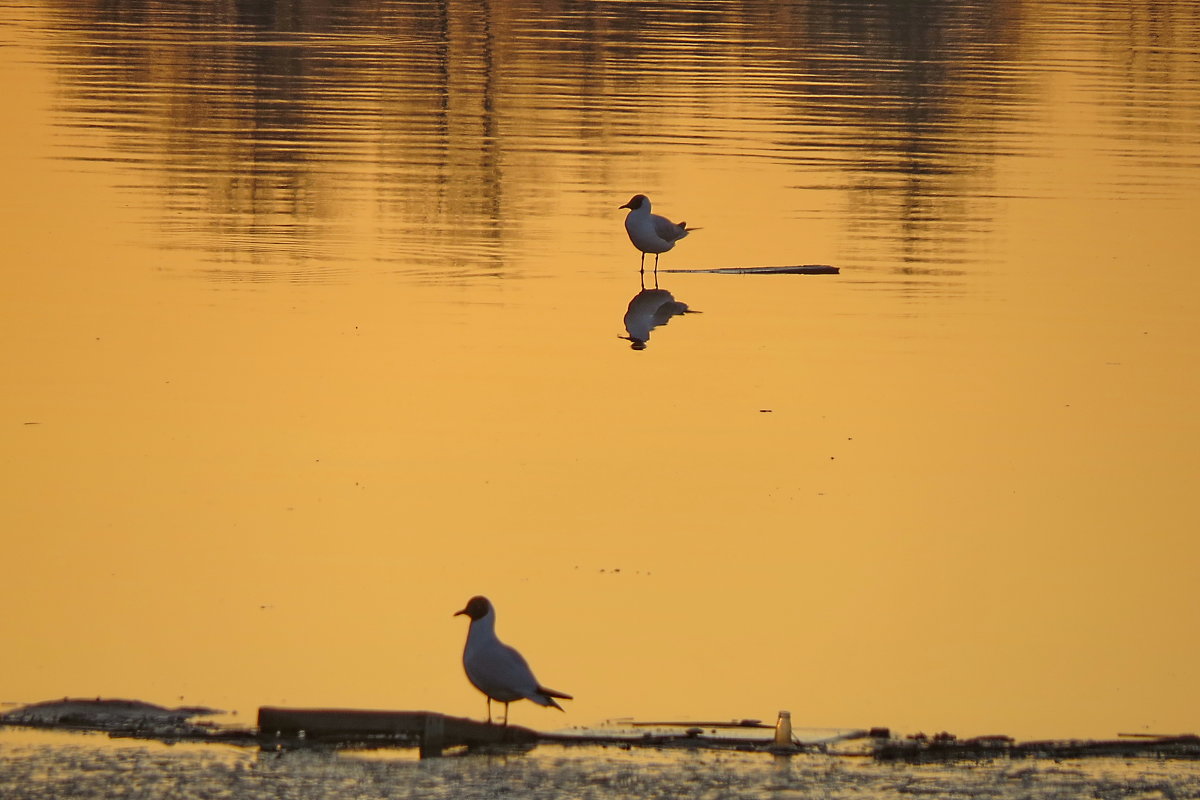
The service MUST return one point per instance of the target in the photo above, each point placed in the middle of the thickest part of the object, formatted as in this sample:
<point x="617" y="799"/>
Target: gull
<point x="496" y="669"/>
<point x="651" y="233"/>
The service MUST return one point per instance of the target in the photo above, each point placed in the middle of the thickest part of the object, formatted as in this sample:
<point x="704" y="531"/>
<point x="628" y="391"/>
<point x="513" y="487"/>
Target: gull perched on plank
<point x="651" y="233"/>
<point x="496" y="669"/>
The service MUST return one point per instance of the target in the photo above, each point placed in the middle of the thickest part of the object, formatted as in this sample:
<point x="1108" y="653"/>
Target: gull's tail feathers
<point x="545" y="697"/>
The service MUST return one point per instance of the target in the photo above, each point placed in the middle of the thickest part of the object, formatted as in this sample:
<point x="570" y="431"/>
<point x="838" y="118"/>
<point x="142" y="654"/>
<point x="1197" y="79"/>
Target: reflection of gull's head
<point x="638" y="344"/>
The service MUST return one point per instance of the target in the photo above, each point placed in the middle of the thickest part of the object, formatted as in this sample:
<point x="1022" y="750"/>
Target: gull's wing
<point x="504" y="670"/>
<point x="667" y="231"/>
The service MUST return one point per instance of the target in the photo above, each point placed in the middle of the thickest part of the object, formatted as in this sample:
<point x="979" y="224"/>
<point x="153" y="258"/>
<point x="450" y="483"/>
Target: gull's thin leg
<point x="489" y="710"/>
<point x="506" y="715"/>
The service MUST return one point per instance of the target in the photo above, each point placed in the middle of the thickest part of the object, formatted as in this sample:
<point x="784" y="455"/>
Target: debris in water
<point x="433" y="732"/>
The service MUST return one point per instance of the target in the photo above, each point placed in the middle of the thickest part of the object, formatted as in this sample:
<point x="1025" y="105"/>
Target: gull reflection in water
<point x="648" y="309"/>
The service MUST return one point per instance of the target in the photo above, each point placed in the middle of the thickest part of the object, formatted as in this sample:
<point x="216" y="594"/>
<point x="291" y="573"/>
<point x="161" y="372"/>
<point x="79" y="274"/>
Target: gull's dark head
<point x="636" y="202"/>
<point x="477" y="608"/>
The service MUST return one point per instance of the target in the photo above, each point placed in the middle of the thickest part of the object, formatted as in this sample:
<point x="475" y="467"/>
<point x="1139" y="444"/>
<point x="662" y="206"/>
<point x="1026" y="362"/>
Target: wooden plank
<point x="433" y="738"/>
<point x="429" y="730"/>
<point x="797" y="269"/>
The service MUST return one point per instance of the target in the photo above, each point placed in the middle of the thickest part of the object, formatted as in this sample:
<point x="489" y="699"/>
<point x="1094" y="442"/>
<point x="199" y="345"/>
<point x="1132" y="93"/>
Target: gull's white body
<point x="496" y="669"/>
<point x="651" y="233"/>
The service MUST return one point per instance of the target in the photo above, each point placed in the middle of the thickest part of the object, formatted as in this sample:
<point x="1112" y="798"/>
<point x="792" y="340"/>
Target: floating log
<point x="428" y="730"/>
<point x="798" y="269"/>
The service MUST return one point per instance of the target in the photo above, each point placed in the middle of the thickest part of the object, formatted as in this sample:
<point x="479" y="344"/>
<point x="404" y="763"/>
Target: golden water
<point x="311" y="333"/>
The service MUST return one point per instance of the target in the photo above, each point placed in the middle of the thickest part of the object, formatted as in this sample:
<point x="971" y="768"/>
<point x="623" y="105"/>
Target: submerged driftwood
<point x="433" y="733"/>
<point x="947" y="747"/>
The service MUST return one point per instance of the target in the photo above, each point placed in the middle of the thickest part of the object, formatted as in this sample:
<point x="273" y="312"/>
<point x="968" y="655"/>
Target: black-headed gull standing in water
<point x="651" y="233"/>
<point x="496" y="669"/>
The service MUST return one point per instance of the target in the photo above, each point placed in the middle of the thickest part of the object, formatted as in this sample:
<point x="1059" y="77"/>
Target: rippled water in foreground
<point x="65" y="770"/>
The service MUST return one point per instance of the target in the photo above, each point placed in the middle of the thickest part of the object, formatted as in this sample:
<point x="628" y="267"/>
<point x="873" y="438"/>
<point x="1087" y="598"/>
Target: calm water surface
<point x="312" y="332"/>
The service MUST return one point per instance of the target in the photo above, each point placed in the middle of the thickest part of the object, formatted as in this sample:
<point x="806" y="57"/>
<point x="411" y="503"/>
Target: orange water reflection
<point x="312" y="335"/>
